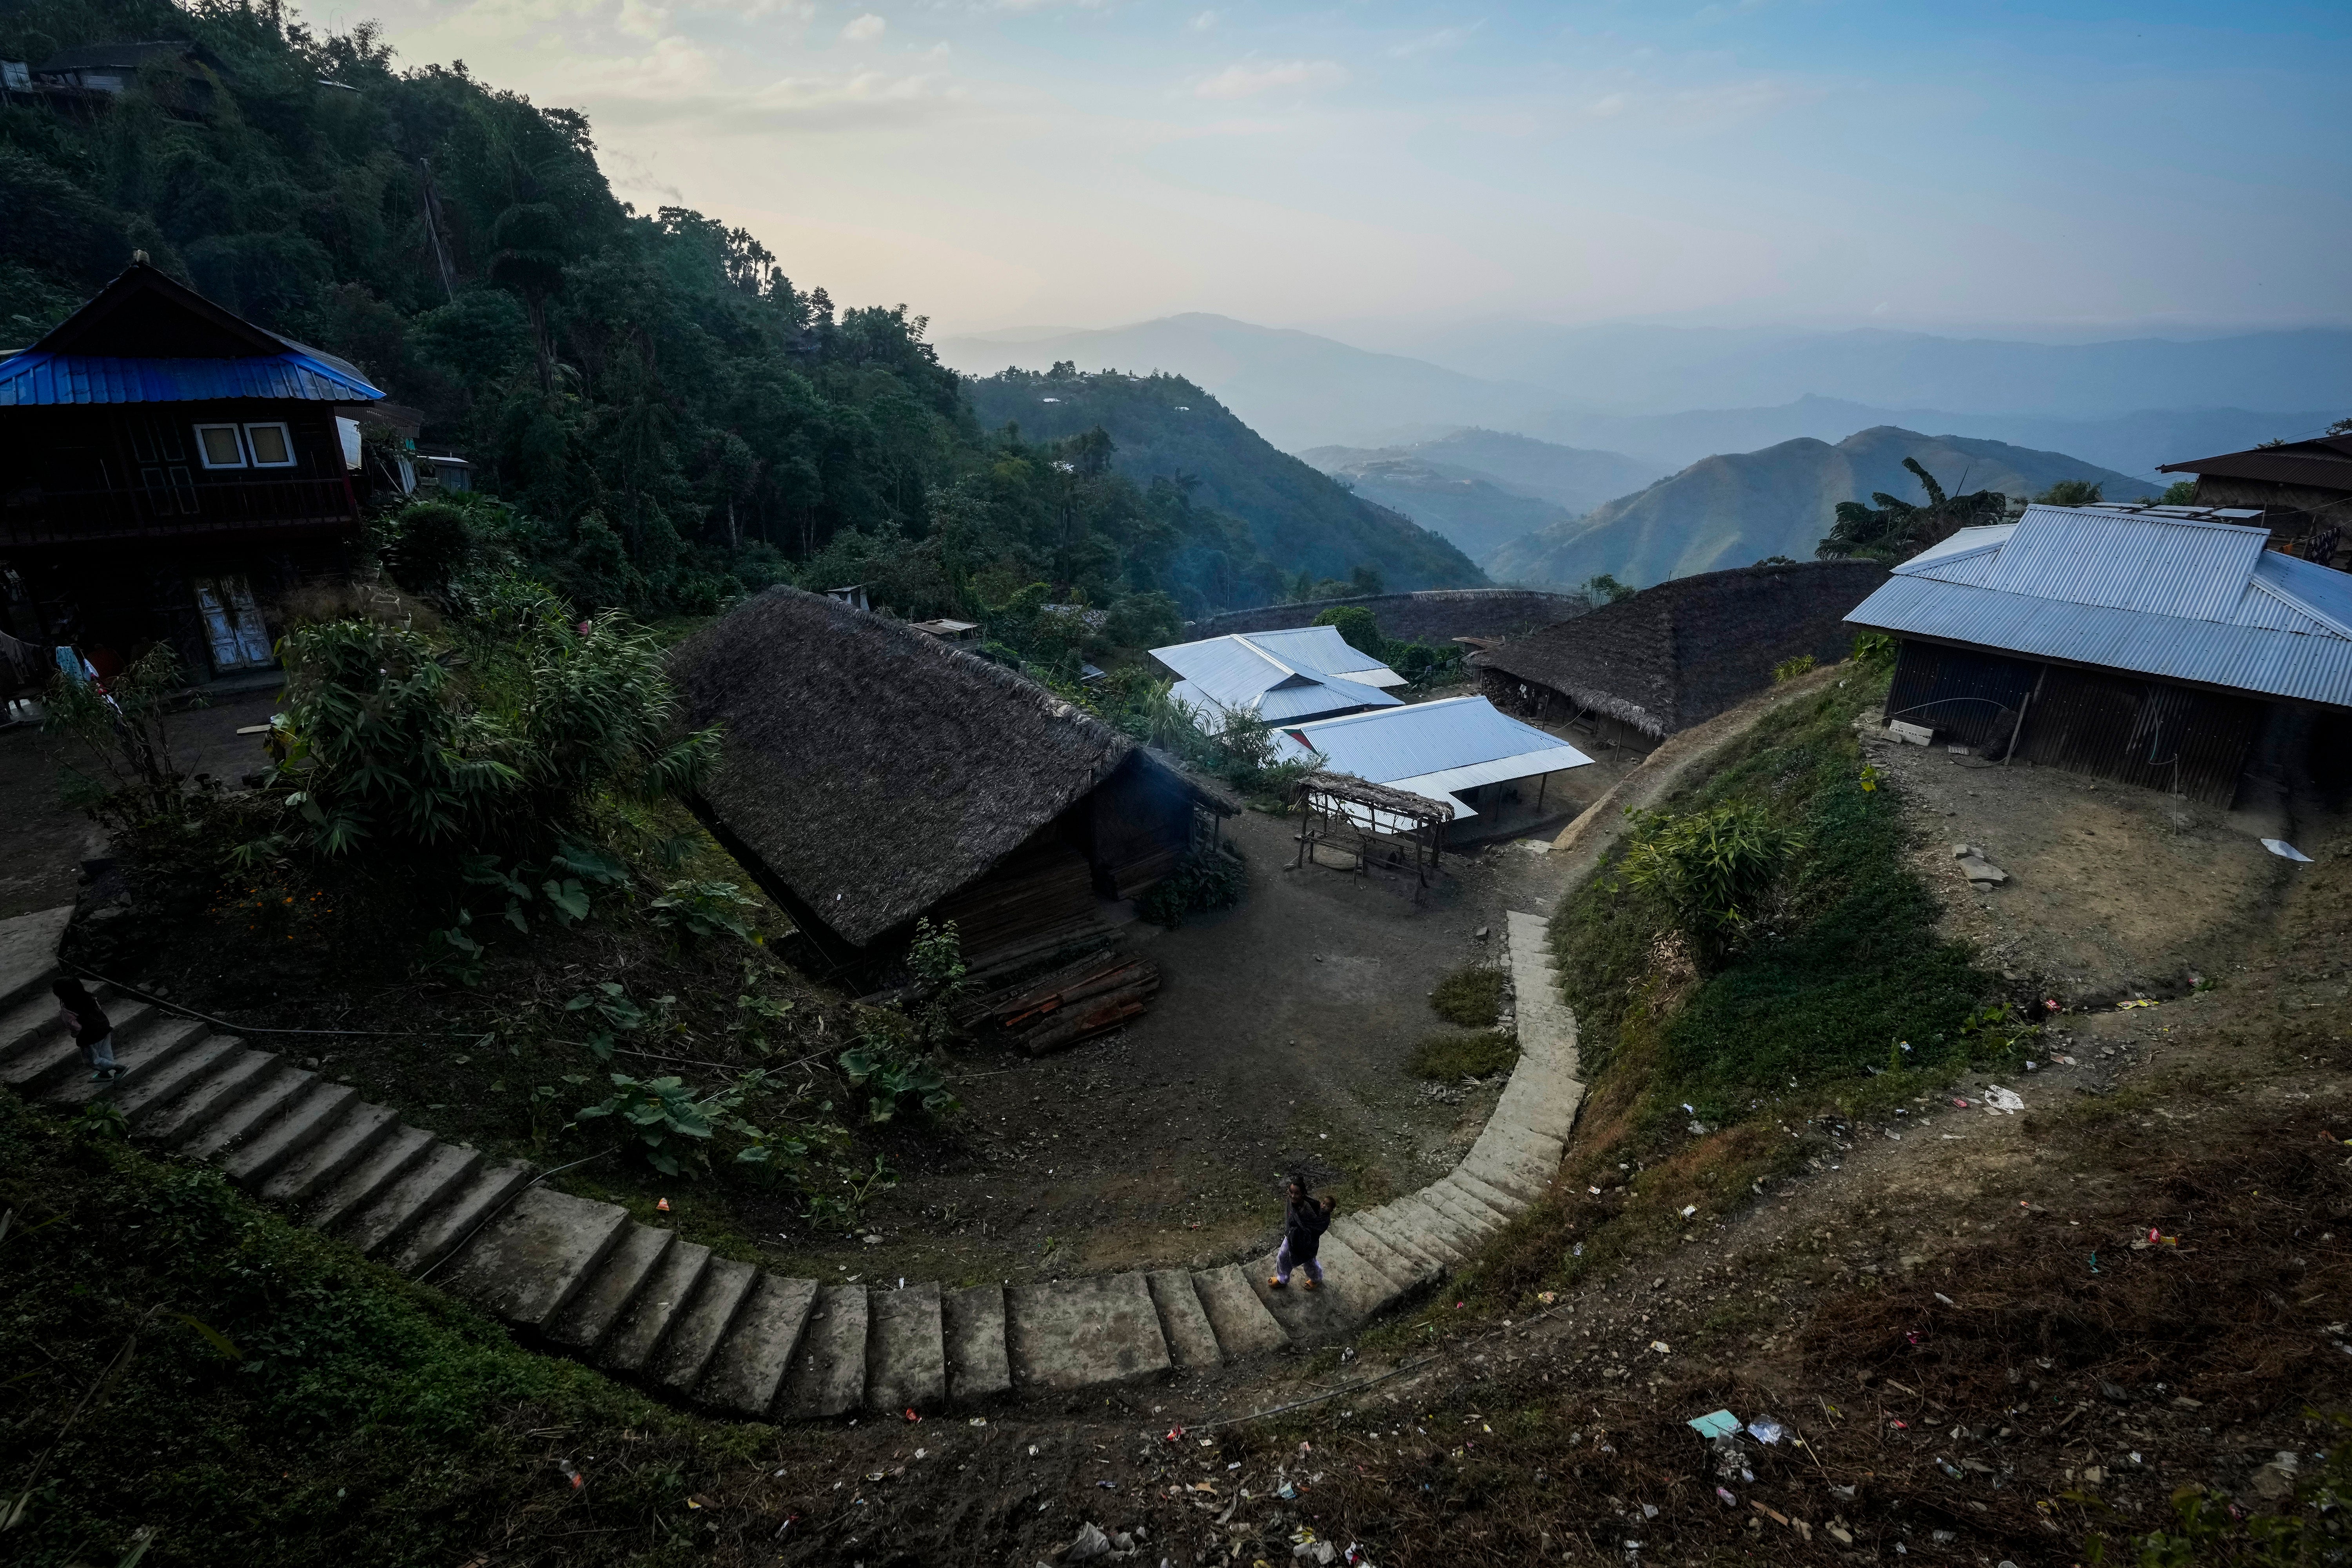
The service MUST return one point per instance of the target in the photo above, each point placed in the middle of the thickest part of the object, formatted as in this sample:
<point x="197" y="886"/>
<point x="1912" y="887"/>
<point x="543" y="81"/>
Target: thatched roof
<point x="1348" y="787"/>
<point x="872" y="770"/>
<point x="1680" y="653"/>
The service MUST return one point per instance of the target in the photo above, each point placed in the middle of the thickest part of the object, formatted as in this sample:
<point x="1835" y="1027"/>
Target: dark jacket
<point x="90" y="1025"/>
<point x="1303" y="1224"/>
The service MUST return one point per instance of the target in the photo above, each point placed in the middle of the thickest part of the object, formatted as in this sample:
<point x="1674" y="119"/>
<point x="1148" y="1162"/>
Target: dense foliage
<point x="667" y="419"/>
<point x="1896" y="529"/>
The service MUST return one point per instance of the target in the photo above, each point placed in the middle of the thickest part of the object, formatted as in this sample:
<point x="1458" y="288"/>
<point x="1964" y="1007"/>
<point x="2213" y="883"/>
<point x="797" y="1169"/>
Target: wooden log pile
<point x="1055" y="1012"/>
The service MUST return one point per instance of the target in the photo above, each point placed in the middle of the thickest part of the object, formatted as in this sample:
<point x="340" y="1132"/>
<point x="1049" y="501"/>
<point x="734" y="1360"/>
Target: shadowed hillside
<point x="1163" y="427"/>
<point x="1727" y="511"/>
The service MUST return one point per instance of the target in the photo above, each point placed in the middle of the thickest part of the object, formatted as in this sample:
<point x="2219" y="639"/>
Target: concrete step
<point x="665" y="1293"/>
<point x="1468" y="1234"/>
<point x="232" y="1122"/>
<point x="1191" y="1343"/>
<point x="1352" y="1291"/>
<point x="324" y="1163"/>
<point x="972" y="1320"/>
<point x="62" y="1064"/>
<point x="1405" y="1241"/>
<point x="28" y="951"/>
<point x="1473" y="1216"/>
<point x="1244" y="1327"/>
<point x="29" y="1021"/>
<point x="526" y="1264"/>
<point x="608" y="1293"/>
<point x="237" y="1072"/>
<point x="1408" y="1271"/>
<point x="323" y="1108"/>
<point x="678" y="1362"/>
<point x="384" y="1220"/>
<point x="446" y="1226"/>
<point x="1430" y="1229"/>
<point x="142" y="1055"/>
<point x="1502" y="1188"/>
<point x="392" y="1158"/>
<point x="1081" y="1333"/>
<point x="828" y="1376"/>
<point x="139" y="1096"/>
<point x="748" y="1372"/>
<point x="906" y="1350"/>
<point x="1504" y="1206"/>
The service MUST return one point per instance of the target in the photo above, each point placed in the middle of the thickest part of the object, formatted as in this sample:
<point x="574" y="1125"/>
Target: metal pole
<point x="2024" y="707"/>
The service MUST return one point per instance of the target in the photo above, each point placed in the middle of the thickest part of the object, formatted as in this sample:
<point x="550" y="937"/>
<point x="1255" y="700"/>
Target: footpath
<point x="582" y="1278"/>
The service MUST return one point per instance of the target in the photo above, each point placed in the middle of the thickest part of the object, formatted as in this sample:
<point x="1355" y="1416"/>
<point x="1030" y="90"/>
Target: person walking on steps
<point x="1304" y="1220"/>
<point x="79" y="1012"/>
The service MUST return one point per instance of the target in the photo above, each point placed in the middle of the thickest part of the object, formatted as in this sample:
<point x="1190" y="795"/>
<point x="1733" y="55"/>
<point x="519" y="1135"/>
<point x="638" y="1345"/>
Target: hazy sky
<point x="1024" y="162"/>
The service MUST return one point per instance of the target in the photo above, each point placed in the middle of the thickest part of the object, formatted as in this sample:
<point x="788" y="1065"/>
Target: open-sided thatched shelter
<point x="870" y="773"/>
<point x="1678" y="654"/>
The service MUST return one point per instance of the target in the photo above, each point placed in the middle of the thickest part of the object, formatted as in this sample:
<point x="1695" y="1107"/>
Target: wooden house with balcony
<point x="167" y="469"/>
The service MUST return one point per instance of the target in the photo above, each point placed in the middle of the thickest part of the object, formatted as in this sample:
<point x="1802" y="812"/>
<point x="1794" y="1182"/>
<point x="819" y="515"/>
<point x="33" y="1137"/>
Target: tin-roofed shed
<point x="2150" y="645"/>
<point x="1461" y="752"/>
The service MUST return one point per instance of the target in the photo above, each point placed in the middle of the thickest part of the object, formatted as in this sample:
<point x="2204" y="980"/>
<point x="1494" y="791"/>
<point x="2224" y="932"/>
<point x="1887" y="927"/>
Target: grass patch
<point x="326" y="1411"/>
<point x="1471" y="996"/>
<point x="1445" y="1059"/>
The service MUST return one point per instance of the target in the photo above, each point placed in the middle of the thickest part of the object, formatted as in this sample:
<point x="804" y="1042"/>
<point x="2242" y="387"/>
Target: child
<point x="79" y="1012"/>
<point x="1304" y="1221"/>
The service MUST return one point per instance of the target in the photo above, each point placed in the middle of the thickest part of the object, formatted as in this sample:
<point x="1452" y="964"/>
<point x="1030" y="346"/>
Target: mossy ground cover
<point x="324" y="1411"/>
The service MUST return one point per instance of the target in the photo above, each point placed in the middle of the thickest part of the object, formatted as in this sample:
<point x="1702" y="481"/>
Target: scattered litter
<point x="1174" y="1433"/>
<point x="1946" y="1301"/>
<point x="1286" y="1492"/>
<point x="1766" y="1430"/>
<point x="1715" y="1423"/>
<point x="1660" y="1346"/>
<point x="911" y="1417"/>
<point x="977" y="1421"/>
<point x="2006" y="1101"/>
<point x="697" y="1500"/>
<point x="1090" y="1544"/>
<point x="579" y="1481"/>
<point x="1728" y="1501"/>
<point x="662" y="1206"/>
<point x="1546" y="1297"/>
<point x="1959" y="1101"/>
<point x="2286" y="851"/>
<point x="2137" y="1002"/>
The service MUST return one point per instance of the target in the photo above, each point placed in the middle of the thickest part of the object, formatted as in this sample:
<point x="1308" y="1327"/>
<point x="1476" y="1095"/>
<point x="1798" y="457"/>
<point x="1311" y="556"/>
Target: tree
<point x="1896" y="529"/>
<point x="2070" y="493"/>
<point x="1358" y="626"/>
<point x="530" y="262"/>
<point x="1605" y="589"/>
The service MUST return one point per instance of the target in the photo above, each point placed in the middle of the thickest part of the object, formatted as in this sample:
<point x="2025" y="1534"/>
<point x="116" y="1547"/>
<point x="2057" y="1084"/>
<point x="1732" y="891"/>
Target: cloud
<point x="1248" y="77"/>
<point x="1431" y="43"/>
<point x="1205" y="21"/>
<point x="864" y="29"/>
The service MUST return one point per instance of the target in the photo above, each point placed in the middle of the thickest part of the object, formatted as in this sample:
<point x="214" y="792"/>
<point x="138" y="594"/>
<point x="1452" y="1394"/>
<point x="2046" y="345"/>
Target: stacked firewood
<point x="1054" y="1011"/>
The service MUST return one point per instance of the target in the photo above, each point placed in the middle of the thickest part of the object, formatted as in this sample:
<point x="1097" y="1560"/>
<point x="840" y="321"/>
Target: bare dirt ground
<point x="1277" y="1044"/>
<point x="2113" y="892"/>
<point x="43" y="841"/>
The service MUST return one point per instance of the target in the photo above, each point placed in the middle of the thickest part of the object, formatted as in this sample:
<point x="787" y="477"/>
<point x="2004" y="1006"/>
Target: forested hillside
<point x="666" y="416"/>
<point x="1167" y="431"/>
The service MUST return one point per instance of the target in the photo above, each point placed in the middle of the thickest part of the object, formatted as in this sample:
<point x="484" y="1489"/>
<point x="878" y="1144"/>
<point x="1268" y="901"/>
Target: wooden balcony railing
<point x="31" y="516"/>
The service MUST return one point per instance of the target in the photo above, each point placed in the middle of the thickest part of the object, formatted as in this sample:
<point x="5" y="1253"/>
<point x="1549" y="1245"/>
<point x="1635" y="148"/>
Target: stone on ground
<point x="972" y="1323"/>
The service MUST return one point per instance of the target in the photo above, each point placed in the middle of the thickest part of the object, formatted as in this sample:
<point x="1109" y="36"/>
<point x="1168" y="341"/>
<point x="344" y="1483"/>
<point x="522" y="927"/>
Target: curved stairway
<point x="582" y="1278"/>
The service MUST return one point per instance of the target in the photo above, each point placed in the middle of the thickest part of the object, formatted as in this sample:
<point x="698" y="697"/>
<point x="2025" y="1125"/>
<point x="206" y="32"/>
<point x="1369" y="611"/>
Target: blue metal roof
<point x="2154" y="592"/>
<point x="1232" y="674"/>
<point x="35" y="378"/>
<point x="1323" y="649"/>
<point x="1422" y="739"/>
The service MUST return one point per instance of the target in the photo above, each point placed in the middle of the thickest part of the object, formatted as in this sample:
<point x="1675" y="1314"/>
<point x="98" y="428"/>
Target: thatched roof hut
<point x="870" y="773"/>
<point x="1680" y="653"/>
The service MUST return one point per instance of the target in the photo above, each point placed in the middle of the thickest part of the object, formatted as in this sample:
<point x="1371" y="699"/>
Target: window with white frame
<point x="220" y="447"/>
<point x="269" y="446"/>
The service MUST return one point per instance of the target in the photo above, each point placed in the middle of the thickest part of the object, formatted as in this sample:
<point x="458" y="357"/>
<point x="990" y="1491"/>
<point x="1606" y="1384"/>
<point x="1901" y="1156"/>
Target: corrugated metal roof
<point x="1233" y="674"/>
<point x="1441" y="786"/>
<point x="1427" y="739"/>
<point x="2175" y="597"/>
<point x="36" y="379"/>
<point x="1323" y="649"/>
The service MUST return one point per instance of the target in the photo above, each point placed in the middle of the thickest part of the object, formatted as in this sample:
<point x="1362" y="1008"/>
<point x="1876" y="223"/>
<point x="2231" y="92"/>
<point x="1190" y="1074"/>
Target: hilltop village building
<point x="1633" y="673"/>
<point x="1461" y="752"/>
<point x="2302" y="490"/>
<point x="1278" y="676"/>
<point x="172" y="468"/>
<point x="2156" y="646"/>
<point x="870" y="773"/>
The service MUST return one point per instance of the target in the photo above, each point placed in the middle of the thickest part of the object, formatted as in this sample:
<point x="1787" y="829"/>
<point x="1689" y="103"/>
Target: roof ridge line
<point x="2255" y="581"/>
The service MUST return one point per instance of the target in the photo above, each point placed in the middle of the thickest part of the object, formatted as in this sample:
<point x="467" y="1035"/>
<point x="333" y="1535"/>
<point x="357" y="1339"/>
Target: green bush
<point x="1359" y="626"/>
<point x="1791" y="668"/>
<point x="1712" y="871"/>
<point x="427" y="544"/>
<point x="1445" y="1059"/>
<point x="1205" y="880"/>
<point x="1470" y="996"/>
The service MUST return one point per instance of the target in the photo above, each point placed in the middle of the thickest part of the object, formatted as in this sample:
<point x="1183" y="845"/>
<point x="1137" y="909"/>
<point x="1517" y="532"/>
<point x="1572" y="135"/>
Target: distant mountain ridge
<point x="1735" y="510"/>
<point x="1568" y="384"/>
<point x="1482" y="488"/>
<point x="1165" y="426"/>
